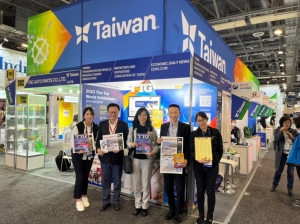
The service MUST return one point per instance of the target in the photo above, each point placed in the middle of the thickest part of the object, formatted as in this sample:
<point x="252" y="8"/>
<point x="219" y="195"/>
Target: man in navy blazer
<point x="175" y="128"/>
<point x="111" y="162"/>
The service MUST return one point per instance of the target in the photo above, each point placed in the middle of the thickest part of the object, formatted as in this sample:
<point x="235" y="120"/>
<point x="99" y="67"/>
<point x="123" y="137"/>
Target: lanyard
<point x="86" y="130"/>
<point x="112" y="131"/>
<point x="204" y="133"/>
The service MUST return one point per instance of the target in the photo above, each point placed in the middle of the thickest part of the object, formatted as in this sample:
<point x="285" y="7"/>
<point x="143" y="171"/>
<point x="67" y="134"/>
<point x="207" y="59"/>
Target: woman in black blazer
<point x="82" y="160"/>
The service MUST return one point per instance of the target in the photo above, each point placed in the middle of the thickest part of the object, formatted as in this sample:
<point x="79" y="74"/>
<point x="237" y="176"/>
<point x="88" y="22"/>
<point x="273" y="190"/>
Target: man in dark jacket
<point x="111" y="162"/>
<point x="175" y="128"/>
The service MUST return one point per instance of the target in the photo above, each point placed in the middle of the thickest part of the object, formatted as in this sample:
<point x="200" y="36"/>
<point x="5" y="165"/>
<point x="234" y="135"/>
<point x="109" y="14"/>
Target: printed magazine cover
<point x="169" y="147"/>
<point x="114" y="142"/>
<point x="81" y="142"/>
<point x="178" y="160"/>
<point x="144" y="145"/>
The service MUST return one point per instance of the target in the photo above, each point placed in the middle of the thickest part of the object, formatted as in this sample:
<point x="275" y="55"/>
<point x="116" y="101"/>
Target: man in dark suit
<point x="111" y="162"/>
<point x="174" y="128"/>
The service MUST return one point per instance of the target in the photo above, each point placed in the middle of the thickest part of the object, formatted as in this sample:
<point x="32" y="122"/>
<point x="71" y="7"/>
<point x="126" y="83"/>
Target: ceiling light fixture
<point x="268" y="82"/>
<point x="24" y="45"/>
<point x="70" y="91"/>
<point x="5" y="39"/>
<point x="281" y="65"/>
<point x="280" y="52"/>
<point x="282" y="73"/>
<point x="278" y="32"/>
<point x="59" y="89"/>
<point x="258" y="34"/>
<point x="283" y="79"/>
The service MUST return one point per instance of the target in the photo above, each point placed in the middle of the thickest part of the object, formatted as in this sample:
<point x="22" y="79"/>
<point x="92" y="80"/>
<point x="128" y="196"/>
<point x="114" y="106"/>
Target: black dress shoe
<point x="273" y="189"/>
<point x="208" y="221"/>
<point x="144" y="212"/>
<point x="177" y="219"/>
<point x="104" y="207"/>
<point x="170" y="215"/>
<point x="290" y="193"/>
<point x="137" y="211"/>
<point x="117" y="207"/>
<point x="200" y="220"/>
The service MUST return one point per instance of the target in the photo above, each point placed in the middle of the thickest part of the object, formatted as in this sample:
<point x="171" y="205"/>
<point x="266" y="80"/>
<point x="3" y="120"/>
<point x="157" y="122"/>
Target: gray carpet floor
<point x="263" y="206"/>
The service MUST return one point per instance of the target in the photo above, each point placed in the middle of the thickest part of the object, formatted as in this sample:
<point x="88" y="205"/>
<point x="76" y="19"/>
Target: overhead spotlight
<point x="283" y="79"/>
<point x="61" y="98"/>
<point x="78" y="91"/>
<point x="268" y="82"/>
<point x="282" y="73"/>
<point x="70" y="91"/>
<point x="281" y="65"/>
<point x="278" y="32"/>
<point x="24" y="45"/>
<point x="5" y="39"/>
<point x="280" y="52"/>
<point x="59" y="89"/>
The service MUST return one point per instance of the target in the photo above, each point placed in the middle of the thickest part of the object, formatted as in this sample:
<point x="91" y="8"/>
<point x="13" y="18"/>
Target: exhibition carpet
<point x="263" y="206"/>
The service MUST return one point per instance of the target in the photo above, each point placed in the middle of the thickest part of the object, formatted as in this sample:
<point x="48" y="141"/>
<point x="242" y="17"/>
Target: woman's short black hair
<point x="113" y="105"/>
<point x="135" y="121"/>
<point x="201" y="114"/>
<point x="86" y="110"/>
<point x="283" y="119"/>
<point x="297" y="122"/>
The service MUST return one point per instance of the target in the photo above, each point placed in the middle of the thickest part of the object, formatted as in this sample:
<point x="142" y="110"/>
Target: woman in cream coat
<point x="142" y="163"/>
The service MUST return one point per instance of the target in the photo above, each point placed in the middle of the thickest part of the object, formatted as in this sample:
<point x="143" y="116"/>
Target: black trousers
<point x="179" y="180"/>
<point x="82" y="169"/>
<point x="205" y="181"/>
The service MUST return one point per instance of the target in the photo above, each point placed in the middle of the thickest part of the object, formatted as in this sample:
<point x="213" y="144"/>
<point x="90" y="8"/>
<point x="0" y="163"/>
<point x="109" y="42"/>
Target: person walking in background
<point x="142" y="163"/>
<point x="206" y="171"/>
<point x="283" y="140"/>
<point x="175" y="128"/>
<point x="82" y="161"/>
<point x="273" y="120"/>
<point x="296" y="120"/>
<point x="111" y="162"/>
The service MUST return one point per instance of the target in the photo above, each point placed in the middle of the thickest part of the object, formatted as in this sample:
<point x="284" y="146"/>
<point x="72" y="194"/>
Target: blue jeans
<point x="290" y="173"/>
<point x="111" y="173"/>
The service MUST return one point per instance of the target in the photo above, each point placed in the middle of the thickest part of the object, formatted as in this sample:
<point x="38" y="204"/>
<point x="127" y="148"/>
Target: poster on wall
<point x="10" y="86"/>
<point x="65" y="115"/>
<point x="241" y="94"/>
<point x="98" y="98"/>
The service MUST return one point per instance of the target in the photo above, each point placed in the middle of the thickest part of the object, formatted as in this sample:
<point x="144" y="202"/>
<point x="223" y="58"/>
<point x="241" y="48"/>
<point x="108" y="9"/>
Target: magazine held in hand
<point x="83" y="142"/>
<point x="112" y="142"/>
<point x="171" y="150"/>
<point x="144" y="144"/>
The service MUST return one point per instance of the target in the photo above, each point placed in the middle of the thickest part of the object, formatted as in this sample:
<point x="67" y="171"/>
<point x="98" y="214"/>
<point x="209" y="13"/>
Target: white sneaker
<point x="85" y="202"/>
<point x="79" y="206"/>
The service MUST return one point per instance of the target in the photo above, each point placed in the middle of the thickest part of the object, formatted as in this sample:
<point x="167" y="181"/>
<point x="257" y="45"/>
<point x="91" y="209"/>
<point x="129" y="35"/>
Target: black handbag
<point x="127" y="164"/>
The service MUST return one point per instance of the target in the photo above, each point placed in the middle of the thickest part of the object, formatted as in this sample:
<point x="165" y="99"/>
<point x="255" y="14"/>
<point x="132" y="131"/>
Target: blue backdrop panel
<point x="98" y="98"/>
<point x="187" y="30"/>
<point x="157" y="67"/>
<point x="122" y="29"/>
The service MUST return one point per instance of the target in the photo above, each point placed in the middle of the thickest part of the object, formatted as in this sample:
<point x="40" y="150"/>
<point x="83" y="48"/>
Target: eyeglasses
<point x="201" y="121"/>
<point x="113" y="112"/>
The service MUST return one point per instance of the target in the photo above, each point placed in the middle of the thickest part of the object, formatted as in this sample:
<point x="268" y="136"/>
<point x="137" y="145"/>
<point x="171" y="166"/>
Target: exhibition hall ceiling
<point x="247" y="26"/>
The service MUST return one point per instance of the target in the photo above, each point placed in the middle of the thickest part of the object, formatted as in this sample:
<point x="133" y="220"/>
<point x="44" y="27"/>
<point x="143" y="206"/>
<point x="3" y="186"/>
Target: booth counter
<point x="269" y="132"/>
<point x="263" y="139"/>
<point x="255" y="141"/>
<point x="246" y="155"/>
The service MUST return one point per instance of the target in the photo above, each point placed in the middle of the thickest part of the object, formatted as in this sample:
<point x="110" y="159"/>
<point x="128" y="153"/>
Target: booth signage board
<point x="10" y="86"/>
<point x="257" y="96"/>
<point x="241" y="94"/>
<point x="54" y="79"/>
<point x="263" y="138"/>
<point x="205" y="72"/>
<point x="101" y="31"/>
<point x="157" y="67"/>
<point x="261" y="112"/>
<point x="195" y="35"/>
<point x="254" y="110"/>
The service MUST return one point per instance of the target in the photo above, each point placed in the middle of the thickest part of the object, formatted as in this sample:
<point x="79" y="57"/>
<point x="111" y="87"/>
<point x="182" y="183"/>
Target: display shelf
<point x="25" y="126"/>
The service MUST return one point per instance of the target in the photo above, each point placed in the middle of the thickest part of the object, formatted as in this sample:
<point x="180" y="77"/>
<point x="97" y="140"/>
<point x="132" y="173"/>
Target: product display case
<point x="25" y="132"/>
